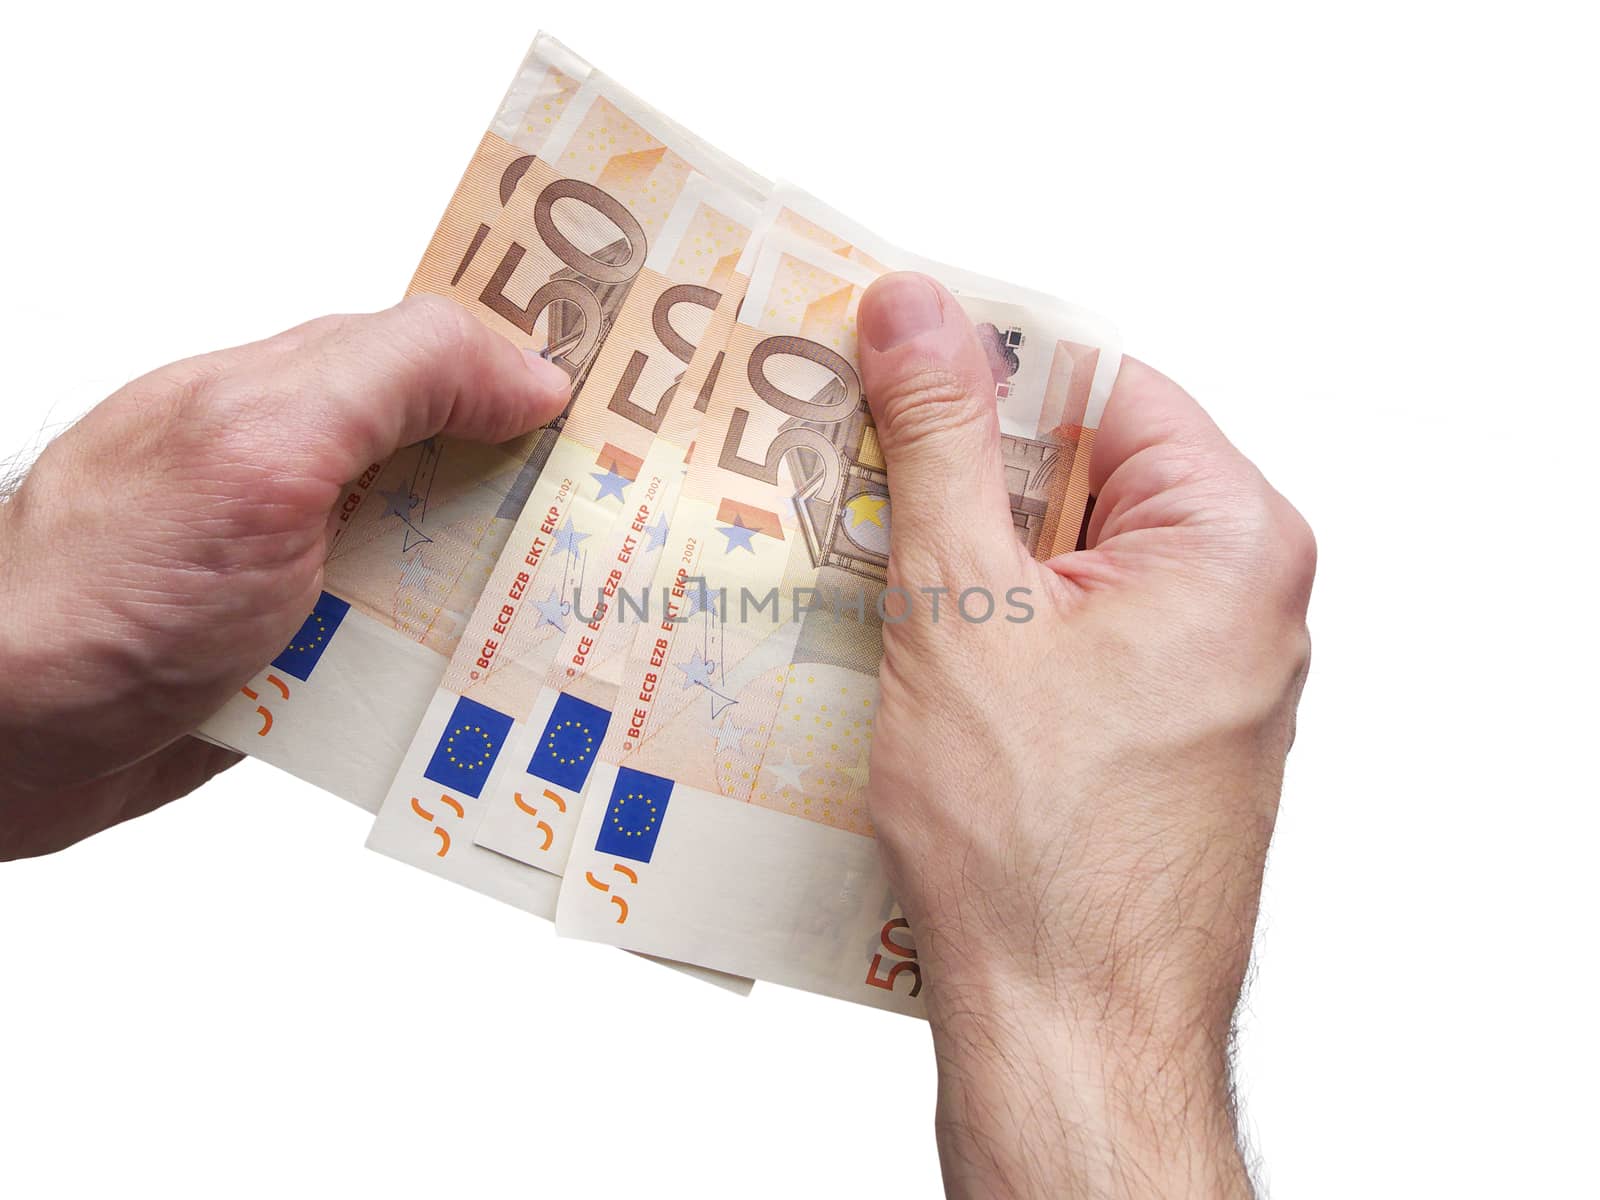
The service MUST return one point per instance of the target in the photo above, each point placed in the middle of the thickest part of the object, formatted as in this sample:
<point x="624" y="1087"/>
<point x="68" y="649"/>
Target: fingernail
<point x="549" y="377"/>
<point x="898" y="308"/>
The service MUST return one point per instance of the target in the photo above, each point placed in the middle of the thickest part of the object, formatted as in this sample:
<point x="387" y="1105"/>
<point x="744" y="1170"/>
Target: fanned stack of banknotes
<point x="622" y="672"/>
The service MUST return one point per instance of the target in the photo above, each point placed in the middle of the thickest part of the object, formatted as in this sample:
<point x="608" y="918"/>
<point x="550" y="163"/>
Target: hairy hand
<point x="172" y="541"/>
<point x="1075" y="810"/>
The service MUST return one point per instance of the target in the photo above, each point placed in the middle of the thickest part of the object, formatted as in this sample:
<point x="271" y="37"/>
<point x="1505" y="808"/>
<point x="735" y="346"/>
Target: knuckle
<point x="440" y="324"/>
<point x="223" y="412"/>
<point x="228" y="450"/>
<point x="177" y="393"/>
<point x="928" y="403"/>
<point x="224" y="390"/>
<point x="1300" y="653"/>
<point x="1284" y="564"/>
<point x="1284" y="547"/>
<point x="935" y="573"/>
<point x="316" y="329"/>
<point x="1169" y="468"/>
<point x="1251" y="508"/>
<point x="1297" y="545"/>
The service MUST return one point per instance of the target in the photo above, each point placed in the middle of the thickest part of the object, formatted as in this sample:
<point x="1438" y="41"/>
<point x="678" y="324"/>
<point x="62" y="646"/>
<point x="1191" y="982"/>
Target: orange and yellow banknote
<point x="622" y="672"/>
<point x="723" y="821"/>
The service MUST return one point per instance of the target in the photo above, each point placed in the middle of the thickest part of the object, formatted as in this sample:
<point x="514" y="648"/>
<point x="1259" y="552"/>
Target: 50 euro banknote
<point x="532" y="798"/>
<point x="723" y="822"/>
<point x="545" y="232"/>
<point x="598" y="513"/>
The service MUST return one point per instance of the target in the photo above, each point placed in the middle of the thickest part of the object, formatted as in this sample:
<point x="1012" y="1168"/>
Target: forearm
<point x="1036" y="1100"/>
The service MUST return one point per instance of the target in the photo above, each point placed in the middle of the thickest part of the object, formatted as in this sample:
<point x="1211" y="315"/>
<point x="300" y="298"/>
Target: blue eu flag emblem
<point x="306" y="647"/>
<point x="468" y="747"/>
<point x="633" y="818"/>
<point x="570" y="740"/>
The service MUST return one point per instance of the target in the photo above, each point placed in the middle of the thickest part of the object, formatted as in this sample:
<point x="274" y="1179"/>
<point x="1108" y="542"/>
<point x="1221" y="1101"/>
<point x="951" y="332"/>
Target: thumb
<point x="931" y="392"/>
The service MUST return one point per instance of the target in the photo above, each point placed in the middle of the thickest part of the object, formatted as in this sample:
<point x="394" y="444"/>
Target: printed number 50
<point x="907" y="965"/>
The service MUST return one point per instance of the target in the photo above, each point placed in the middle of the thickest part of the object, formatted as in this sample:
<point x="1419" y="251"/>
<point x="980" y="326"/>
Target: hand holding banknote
<point x="173" y="541"/>
<point x="1074" y="810"/>
<point x="900" y="748"/>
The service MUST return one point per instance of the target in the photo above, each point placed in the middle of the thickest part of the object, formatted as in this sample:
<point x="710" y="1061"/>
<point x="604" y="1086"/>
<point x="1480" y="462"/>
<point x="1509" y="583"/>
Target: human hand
<point x="172" y="541"/>
<point x="1074" y="812"/>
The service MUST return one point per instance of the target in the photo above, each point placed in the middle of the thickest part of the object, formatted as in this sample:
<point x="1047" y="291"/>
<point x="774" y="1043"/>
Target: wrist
<point x="1043" y="1092"/>
<point x="42" y="708"/>
<point x="13" y="604"/>
<point x="15" y="667"/>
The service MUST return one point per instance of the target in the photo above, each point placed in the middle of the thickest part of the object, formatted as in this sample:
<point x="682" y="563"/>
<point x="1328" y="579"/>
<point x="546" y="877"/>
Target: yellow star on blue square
<point x="633" y="818"/>
<point x="569" y="743"/>
<point x="468" y="747"/>
<point x="306" y="648"/>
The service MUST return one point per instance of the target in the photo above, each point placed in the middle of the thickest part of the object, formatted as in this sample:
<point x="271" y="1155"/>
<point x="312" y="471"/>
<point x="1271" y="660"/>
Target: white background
<point x="1362" y="234"/>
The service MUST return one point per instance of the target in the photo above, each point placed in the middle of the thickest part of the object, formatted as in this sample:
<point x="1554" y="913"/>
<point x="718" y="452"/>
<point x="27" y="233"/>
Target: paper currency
<point x="533" y="798"/>
<point x="608" y="469"/>
<point x="724" y="822"/>
<point x="617" y="235"/>
<point x="416" y="535"/>
<point x="640" y="647"/>
<point x="560" y="691"/>
<point x="542" y="254"/>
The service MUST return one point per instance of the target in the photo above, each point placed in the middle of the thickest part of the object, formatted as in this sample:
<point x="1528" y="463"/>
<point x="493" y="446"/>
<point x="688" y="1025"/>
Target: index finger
<point x="1146" y="410"/>
<point x="372" y="384"/>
